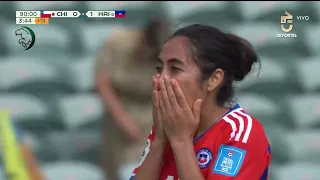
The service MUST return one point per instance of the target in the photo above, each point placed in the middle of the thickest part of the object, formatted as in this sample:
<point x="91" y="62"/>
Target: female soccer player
<point x="196" y="134"/>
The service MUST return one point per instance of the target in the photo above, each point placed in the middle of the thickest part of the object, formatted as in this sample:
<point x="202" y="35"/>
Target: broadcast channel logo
<point x="286" y="26"/>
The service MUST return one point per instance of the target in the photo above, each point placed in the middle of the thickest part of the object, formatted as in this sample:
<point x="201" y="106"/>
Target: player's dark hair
<point x="213" y="49"/>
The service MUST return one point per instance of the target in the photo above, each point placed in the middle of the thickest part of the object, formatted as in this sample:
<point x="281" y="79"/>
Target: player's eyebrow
<point x="171" y="61"/>
<point x="175" y="61"/>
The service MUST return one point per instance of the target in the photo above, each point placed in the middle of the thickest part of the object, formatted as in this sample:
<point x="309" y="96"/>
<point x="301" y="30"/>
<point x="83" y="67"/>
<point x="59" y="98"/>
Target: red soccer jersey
<point x="235" y="147"/>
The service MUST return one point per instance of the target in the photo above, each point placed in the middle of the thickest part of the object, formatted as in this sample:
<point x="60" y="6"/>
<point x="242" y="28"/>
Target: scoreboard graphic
<point x="44" y="17"/>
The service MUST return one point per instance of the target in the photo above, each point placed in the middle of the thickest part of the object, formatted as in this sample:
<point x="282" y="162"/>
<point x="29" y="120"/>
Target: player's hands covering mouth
<point x="180" y="122"/>
<point x="157" y="121"/>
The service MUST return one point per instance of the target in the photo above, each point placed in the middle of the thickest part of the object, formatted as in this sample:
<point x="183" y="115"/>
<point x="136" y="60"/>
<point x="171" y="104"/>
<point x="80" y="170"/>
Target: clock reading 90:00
<point x="28" y="13"/>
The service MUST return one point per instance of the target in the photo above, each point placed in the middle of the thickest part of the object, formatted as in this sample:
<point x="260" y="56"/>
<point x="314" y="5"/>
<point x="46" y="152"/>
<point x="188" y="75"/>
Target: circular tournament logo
<point x="26" y="37"/>
<point x="204" y="157"/>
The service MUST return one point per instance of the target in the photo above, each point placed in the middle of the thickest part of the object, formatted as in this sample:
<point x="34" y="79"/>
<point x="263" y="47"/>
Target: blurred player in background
<point x="124" y="69"/>
<point x="197" y="133"/>
<point x="29" y="158"/>
<point x="18" y="159"/>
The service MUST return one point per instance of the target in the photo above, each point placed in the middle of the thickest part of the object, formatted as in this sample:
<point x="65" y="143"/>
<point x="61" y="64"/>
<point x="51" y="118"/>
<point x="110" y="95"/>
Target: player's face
<point x="175" y="61"/>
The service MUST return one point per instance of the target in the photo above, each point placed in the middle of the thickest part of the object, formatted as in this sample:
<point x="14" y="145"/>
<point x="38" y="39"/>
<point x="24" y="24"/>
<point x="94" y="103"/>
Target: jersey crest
<point x="204" y="157"/>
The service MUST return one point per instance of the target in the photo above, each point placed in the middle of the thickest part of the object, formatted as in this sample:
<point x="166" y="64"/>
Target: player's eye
<point x="175" y="69"/>
<point x="159" y="69"/>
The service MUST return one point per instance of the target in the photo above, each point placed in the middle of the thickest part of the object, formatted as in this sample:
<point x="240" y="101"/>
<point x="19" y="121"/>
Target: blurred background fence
<point x="49" y="89"/>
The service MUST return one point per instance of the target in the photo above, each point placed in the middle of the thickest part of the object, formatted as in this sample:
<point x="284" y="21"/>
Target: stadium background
<point x="49" y="88"/>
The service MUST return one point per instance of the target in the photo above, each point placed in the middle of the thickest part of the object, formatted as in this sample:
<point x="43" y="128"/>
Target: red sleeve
<point x="241" y="160"/>
<point x="145" y="152"/>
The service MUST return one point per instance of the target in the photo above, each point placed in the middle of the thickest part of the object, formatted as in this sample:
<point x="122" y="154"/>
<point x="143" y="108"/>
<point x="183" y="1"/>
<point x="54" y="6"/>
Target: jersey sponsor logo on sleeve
<point x="204" y="157"/>
<point x="229" y="161"/>
<point x="145" y="151"/>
